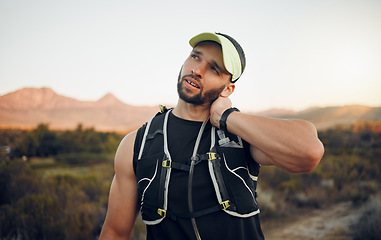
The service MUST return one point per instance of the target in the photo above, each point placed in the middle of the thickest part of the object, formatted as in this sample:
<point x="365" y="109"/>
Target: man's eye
<point x="214" y="69"/>
<point x="194" y="56"/>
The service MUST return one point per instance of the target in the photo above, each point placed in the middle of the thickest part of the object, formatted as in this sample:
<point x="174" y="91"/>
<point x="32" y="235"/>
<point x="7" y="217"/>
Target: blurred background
<point x="76" y="76"/>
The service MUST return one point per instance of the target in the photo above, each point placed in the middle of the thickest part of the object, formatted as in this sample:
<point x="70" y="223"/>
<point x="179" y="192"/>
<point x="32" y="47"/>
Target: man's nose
<point x="199" y="70"/>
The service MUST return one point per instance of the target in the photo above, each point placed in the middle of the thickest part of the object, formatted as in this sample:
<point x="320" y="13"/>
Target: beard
<point x="202" y="97"/>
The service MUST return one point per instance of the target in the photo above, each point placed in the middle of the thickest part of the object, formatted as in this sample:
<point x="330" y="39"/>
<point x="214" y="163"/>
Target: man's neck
<point x="191" y="112"/>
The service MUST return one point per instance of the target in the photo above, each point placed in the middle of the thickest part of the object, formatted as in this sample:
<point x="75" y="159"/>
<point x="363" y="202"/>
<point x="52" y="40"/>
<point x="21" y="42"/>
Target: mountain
<point x="28" y="107"/>
<point x="327" y="117"/>
<point x="37" y="99"/>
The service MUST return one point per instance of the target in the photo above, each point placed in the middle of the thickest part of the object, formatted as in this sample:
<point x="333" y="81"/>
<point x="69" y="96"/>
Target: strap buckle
<point x="167" y="163"/>
<point x="225" y="204"/>
<point x="163" y="108"/>
<point x="211" y="156"/>
<point x="162" y="212"/>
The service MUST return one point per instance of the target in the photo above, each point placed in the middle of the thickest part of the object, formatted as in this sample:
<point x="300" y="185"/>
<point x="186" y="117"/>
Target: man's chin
<point x="191" y="100"/>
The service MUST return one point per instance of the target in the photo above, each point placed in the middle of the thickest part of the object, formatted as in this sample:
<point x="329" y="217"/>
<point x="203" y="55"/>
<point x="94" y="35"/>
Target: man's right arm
<point x="121" y="213"/>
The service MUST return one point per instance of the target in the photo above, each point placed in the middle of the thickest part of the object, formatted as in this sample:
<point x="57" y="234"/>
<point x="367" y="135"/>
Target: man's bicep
<point x="121" y="211"/>
<point x="260" y="157"/>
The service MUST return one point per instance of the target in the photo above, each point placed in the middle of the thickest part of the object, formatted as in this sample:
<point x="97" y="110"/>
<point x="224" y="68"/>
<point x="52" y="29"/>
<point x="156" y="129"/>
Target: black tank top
<point x="182" y="135"/>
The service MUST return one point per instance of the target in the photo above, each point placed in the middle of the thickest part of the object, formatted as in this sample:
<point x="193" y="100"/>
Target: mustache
<point x="191" y="76"/>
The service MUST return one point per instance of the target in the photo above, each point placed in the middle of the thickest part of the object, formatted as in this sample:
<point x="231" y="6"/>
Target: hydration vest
<point x="234" y="178"/>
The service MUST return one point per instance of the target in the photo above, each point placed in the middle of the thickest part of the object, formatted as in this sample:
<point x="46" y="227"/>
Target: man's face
<point x="203" y="76"/>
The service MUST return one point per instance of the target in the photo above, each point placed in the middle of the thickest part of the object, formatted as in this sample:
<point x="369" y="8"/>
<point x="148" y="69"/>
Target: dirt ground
<point x="332" y="223"/>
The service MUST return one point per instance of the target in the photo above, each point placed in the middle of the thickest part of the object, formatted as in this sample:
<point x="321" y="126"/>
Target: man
<point x="192" y="170"/>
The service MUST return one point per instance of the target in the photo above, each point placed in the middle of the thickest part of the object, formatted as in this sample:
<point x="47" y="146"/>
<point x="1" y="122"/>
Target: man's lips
<point x="192" y="82"/>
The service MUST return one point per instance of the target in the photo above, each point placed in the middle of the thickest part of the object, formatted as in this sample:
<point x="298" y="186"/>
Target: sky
<point x="300" y="53"/>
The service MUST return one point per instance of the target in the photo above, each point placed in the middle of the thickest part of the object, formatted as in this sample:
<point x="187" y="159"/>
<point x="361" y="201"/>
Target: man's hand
<point x="218" y="108"/>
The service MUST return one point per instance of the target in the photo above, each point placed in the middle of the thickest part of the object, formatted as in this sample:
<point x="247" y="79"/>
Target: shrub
<point x="267" y="204"/>
<point x="368" y="226"/>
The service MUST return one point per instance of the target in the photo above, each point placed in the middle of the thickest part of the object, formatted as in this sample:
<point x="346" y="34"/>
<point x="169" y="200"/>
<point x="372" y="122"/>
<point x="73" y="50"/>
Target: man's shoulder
<point x="129" y="138"/>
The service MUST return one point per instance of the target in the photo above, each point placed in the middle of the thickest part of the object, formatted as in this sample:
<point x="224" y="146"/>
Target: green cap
<point x="232" y="57"/>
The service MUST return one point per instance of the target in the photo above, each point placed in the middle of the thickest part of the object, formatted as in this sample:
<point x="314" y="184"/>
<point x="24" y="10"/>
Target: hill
<point x="326" y="117"/>
<point x="29" y="107"/>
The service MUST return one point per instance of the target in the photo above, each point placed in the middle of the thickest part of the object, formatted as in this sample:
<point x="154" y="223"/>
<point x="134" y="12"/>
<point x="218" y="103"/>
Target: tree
<point x="39" y="142"/>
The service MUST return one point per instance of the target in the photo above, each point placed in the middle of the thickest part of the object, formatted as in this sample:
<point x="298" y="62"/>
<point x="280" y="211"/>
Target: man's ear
<point x="229" y="89"/>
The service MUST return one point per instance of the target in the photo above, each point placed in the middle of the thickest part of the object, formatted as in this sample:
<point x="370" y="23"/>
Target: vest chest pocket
<point x="240" y="185"/>
<point x="148" y="174"/>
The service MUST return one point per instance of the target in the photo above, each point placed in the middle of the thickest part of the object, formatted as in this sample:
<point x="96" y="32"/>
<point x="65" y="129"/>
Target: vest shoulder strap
<point x="148" y="131"/>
